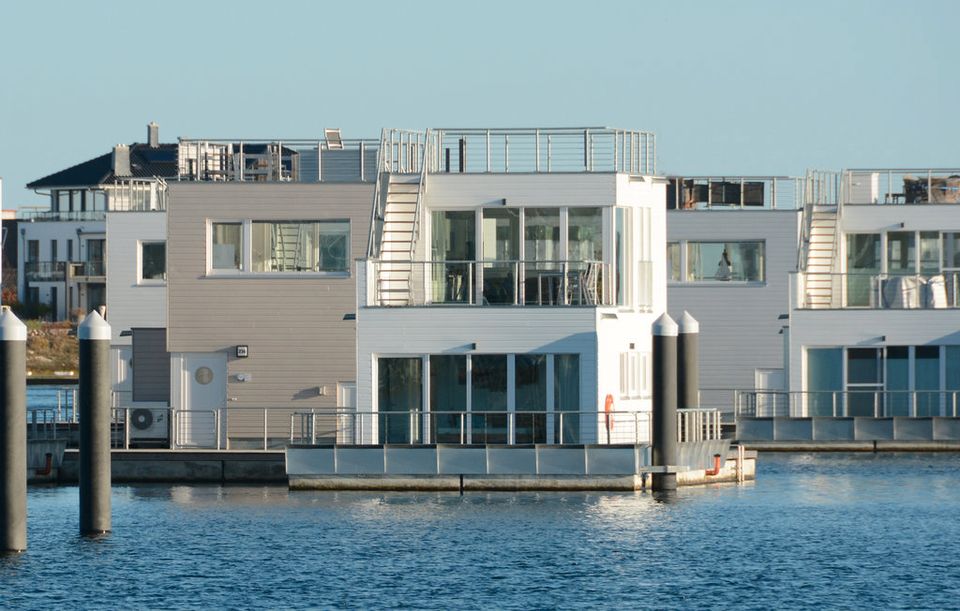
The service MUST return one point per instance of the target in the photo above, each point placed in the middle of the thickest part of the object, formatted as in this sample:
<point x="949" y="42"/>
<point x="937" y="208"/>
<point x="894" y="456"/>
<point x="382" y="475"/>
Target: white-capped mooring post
<point x="94" y="400"/>
<point x="664" y="401"/>
<point x="688" y="362"/>
<point x="13" y="433"/>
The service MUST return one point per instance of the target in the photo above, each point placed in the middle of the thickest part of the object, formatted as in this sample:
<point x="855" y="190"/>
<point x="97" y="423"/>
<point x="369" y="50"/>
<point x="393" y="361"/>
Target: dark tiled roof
<point x="145" y="162"/>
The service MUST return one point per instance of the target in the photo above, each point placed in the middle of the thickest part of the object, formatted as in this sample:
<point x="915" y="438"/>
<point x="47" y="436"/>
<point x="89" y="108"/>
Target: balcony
<point x="87" y="270"/>
<point x="496" y="283"/>
<point x="814" y="291"/>
<point x="44" y="271"/>
<point x="61" y="215"/>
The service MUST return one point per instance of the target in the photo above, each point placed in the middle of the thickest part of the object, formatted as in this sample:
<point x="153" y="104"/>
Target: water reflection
<point x="870" y="531"/>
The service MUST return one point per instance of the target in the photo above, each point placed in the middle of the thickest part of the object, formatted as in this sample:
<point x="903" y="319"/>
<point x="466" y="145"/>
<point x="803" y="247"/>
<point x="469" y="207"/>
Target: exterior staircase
<point x="287" y="237"/>
<point x="821" y="252"/>
<point x="396" y="247"/>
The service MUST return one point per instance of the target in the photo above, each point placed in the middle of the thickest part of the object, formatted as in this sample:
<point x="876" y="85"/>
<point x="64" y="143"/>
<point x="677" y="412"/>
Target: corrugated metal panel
<point x="151" y="365"/>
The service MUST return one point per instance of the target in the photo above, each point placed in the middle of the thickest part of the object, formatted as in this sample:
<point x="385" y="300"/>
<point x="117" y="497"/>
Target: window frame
<point x="246" y="250"/>
<point x="150" y="281"/>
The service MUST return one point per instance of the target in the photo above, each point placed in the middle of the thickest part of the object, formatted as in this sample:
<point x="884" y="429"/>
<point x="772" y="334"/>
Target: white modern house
<point x="732" y="245"/>
<point x="509" y="287"/>
<point x="874" y="315"/>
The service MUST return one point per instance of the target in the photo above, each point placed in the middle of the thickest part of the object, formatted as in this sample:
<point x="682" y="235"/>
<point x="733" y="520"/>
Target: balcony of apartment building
<point x="891" y="241"/>
<point x="44" y="271"/>
<point x="425" y="252"/>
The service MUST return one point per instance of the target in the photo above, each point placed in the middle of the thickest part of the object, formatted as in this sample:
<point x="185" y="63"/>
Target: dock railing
<point x="868" y="403"/>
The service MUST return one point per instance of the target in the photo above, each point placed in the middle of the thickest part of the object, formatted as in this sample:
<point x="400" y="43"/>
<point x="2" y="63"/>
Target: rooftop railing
<point x="542" y="150"/>
<point x="227" y="160"/>
<point x="877" y="291"/>
<point x="740" y="192"/>
<point x="901" y="186"/>
<point x="137" y="195"/>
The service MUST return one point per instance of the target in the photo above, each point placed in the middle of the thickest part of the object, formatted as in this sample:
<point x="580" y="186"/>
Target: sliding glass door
<point x="489" y="398"/>
<point x="448" y="398"/>
<point x="501" y="250"/>
<point x="400" y="399"/>
<point x="531" y="398"/>
<point x="454" y="244"/>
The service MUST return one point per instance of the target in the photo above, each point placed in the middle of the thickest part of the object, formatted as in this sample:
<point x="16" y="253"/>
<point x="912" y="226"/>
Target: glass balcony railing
<point x="878" y="291"/>
<point x="89" y="268"/>
<point x="44" y="271"/>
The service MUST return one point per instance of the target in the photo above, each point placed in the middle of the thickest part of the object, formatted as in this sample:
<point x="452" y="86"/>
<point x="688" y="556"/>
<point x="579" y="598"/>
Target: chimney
<point x="153" y="135"/>
<point x="121" y="160"/>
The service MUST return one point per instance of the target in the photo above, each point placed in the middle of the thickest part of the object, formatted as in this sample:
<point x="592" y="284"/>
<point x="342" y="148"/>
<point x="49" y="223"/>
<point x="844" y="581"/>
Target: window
<point x="673" y="261"/>
<point x="585" y="234"/>
<point x="53" y="251"/>
<point x="33" y="251"/>
<point x="300" y="246"/>
<point x="153" y="261"/>
<point x="227" y="246"/>
<point x="900" y="252"/>
<point x="634" y="381"/>
<point x="69" y="250"/>
<point x="725" y="261"/>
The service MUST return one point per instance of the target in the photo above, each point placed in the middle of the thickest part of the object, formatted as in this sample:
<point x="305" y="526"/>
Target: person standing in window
<point x="724" y="267"/>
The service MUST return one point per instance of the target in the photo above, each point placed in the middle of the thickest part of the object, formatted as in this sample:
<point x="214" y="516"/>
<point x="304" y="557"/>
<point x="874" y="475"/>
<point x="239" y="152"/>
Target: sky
<point x="734" y="88"/>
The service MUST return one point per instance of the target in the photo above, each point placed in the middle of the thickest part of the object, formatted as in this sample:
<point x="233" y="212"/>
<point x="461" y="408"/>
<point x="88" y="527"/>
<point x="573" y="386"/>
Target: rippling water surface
<point x="871" y="531"/>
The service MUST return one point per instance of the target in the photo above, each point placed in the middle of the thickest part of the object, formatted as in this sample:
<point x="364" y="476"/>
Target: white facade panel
<point x="739" y="321"/>
<point x="133" y="303"/>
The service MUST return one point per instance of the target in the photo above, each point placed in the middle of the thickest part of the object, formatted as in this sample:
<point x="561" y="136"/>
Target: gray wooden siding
<point x="151" y="365"/>
<point x="294" y="326"/>
<point x="739" y="325"/>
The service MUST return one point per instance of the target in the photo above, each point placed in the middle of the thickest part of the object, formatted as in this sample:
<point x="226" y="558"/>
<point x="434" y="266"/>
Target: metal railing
<point x="870" y="403"/>
<point x="495" y="282"/>
<point x="902" y="186"/>
<point x="44" y="270"/>
<point x="877" y="291"/>
<point x="273" y="160"/>
<point x="137" y="195"/>
<point x="727" y="192"/>
<point x="61" y="215"/>
<point x="88" y="268"/>
<point x="351" y="427"/>
<point x="545" y="149"/>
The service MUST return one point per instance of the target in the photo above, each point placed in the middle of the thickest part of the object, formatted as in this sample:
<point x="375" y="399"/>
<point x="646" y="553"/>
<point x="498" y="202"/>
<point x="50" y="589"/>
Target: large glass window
<point x="900" y="252"/>
<point x="725" y="261"/>
<point x="300" y="246"/>
<point x="489" y="398"/>
<point x="585" y="234"/>
<point x="929" y="252"/>
<point x="227" y="244"/>
<point x="824" y="381"/>
<point x="927" y="380"/>
<point x="501" y="251"/>
<point x="153" y="260"/>
<point x="454" y="246"/>
<point x="864" y="382"/>
<point x="951" y="250"/>
<point x="673" y="261"/>
<point x="542" y="254"/>
<point x="898" y="381"/>
<point x="400" y="399"/>
<point x="623" y="229"/>
<point x="566" y="398"/>
<point x="448" y="397"/>
<point x="531" y="396"/>
<point x="863" y="265"/>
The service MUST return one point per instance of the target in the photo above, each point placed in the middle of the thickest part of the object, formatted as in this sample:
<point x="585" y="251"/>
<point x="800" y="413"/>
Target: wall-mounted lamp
<point x="503" y="201"/>
<point x="243" y="352"/>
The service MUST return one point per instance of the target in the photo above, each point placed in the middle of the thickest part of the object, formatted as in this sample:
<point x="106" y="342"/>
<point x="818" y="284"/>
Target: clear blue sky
<point x="752" y="87"/>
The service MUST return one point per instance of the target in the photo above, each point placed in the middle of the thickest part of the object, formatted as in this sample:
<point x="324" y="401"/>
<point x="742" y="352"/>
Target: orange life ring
<point x="608" y="410"/>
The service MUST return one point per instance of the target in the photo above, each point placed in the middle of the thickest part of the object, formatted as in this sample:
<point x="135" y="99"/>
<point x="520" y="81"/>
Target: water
<point x="871" y="531"/>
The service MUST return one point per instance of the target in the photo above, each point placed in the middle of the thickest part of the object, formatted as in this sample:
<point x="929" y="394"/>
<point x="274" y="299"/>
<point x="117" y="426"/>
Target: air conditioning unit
<point x="149" y="425"/>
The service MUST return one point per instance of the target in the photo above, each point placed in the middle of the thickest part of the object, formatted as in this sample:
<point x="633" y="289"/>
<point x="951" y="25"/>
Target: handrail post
<point x="537" y="147"/>
<point x="488" y="152"/>
<point x="264" y="429"/>
<point x="217" y="426"/>
<point x="313" y="428"/>
<point x="126" y="428"/>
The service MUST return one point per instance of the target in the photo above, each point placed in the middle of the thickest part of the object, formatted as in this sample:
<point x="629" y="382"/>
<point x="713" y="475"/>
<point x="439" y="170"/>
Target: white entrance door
<point x="771" y="398"/>
<point x="346" y="403"/>
<point x="205" y="398"/>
